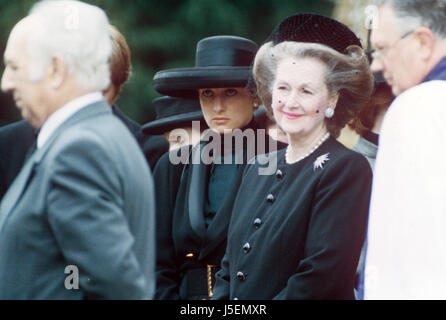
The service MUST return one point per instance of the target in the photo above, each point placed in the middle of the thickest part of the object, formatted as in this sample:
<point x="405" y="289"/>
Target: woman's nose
<point x="219" y="104"/>
<point x="292" y="100"/>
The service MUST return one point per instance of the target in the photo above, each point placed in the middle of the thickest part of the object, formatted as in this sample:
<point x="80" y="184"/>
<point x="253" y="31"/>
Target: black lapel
<point x="197" y="191"/>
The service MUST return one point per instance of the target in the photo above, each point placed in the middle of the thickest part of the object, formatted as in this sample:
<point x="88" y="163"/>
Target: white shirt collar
<point x="63" y="113"/>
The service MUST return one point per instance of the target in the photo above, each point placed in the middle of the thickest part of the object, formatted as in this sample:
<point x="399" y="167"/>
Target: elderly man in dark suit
<point x="17" y="138"/>
<point x="83" y="202"/>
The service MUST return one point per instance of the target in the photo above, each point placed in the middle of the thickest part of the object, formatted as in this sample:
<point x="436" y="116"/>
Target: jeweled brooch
<point x="320" y="161"/>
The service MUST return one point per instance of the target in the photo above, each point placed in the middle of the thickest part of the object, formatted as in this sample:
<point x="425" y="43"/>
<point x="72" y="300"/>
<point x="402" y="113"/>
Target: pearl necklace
<point x="287" y="157"/>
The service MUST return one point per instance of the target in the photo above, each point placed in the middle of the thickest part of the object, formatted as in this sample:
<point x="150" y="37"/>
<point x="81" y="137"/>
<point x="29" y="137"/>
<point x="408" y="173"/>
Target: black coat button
<point x="246" y="247"/>
<point x="257" y="222"/>
<point x="279" y="174"/>
<point x="270" y="198"/>
<point x="241" y="276"/>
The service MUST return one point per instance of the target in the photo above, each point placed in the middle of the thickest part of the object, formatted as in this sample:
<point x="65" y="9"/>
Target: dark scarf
<point x="437" y="73"/>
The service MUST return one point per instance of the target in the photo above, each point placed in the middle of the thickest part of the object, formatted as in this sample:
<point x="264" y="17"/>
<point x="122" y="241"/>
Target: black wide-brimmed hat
<point x="220" y="62"/>
<point x="173" y="113"/>
<point x="314" y="28"/>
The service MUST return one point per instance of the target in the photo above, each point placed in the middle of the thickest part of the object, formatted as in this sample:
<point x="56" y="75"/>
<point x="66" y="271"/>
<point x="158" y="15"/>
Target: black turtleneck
<point x="221" y="176"/>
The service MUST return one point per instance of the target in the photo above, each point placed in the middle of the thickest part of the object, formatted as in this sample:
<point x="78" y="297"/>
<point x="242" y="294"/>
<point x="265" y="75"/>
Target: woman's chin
<point x="290" y="130"/>
<point x="222" y="129"/>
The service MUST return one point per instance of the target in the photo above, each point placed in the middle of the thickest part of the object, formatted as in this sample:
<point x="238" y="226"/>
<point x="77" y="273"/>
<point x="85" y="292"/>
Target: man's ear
<point x="57" y="71"/>
<point x="426" y="42"/>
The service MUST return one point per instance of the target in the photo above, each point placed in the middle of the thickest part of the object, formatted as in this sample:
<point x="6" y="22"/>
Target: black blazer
<point x="185" y="247"/>
<point x="15" y="141"/>
<point x="152" y="146"/>
<point x="297" y="234"/>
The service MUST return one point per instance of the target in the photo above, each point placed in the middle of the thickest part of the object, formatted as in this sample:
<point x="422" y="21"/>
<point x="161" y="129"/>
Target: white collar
<point x="63" y="113"/>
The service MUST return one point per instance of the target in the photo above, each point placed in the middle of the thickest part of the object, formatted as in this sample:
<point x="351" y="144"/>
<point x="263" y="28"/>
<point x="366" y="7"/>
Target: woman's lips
<point x="292" y="116"/>
<point x="220" y="120"/>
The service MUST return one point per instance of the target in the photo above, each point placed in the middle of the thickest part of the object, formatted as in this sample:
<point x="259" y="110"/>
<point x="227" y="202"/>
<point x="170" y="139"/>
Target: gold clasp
<point x="209" y="274"/>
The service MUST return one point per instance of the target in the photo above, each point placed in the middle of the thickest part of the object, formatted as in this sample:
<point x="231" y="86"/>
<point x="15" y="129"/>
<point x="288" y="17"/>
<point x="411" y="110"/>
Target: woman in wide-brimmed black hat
<point x="179" y="120"/>
<point x="297" y="234"/>
<point x="193" y="182"/>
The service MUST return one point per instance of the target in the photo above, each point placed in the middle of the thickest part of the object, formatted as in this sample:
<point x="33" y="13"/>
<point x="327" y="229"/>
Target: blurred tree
<point x="355" y="14"/>
<point x="10" y="13"/>
<point x="163" y="34"/>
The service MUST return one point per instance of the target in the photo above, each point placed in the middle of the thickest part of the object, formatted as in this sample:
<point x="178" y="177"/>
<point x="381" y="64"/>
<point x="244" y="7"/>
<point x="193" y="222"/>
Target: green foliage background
<point x="163" y="33"/>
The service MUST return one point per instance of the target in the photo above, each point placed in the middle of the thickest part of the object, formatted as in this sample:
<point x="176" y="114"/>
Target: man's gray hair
<point x="76" y="31"/>
<point x="427" y="13"/>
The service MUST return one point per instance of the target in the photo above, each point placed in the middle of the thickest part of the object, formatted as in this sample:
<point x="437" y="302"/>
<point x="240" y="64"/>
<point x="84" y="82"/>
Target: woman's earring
<point x="255" y="104"/>
<point x="329" y="112"/>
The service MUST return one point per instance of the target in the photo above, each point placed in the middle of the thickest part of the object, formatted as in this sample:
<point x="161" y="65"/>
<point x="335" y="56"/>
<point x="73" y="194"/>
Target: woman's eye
<point x="207" y="93"/>
<point x="306" y="91"/>
<point x="231" y="92"/>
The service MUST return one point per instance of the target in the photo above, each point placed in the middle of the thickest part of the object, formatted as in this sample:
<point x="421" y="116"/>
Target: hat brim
<point x="177" y="121"/>
<point x="186" y="81"/>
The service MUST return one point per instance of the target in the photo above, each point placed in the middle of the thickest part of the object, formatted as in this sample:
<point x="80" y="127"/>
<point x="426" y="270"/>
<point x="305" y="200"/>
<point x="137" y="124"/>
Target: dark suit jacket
<point x="153" y="146"/>
<point x="185" y="247"/>
<point x="17" y="138"/>
<point x="85" y="198"/>
<point x="15" y="141"/>
<point x="297" y="234"/>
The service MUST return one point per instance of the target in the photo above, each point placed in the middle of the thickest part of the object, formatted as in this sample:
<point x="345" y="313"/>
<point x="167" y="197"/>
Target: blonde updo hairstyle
<point x="347" y="74"/>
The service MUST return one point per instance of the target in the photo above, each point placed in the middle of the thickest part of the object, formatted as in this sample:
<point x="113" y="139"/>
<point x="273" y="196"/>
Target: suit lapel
<point x="16" y="190"/>
<point x="196" y="196"/>
<point x="85" y="113"/>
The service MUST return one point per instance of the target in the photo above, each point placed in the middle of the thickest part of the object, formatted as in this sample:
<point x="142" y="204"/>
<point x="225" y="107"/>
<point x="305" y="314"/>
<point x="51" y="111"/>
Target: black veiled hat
<point x="315" y="28"/>
<point x="171" y="113"/>
<point x="220" y="62"/>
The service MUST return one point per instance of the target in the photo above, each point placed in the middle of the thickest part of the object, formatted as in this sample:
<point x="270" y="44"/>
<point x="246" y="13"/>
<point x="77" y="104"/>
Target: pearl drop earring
<point x="329" y="112"/>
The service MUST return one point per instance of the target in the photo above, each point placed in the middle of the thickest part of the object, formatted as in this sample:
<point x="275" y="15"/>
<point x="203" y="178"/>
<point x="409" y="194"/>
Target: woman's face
<point x="300" y="96"/>
<point x="226" y="108"/>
